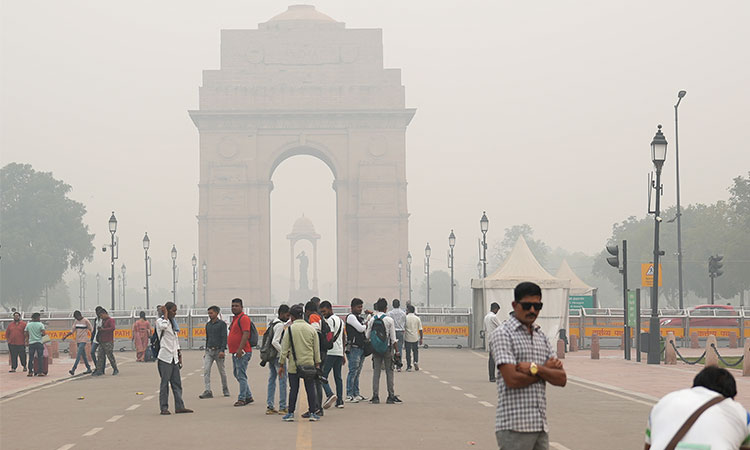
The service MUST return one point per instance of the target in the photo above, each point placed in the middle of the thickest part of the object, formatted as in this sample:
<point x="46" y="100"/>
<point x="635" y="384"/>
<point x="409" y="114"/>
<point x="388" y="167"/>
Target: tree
<point x="502" y="249"/>
<point x="740" y="200"/>
<point x="42" y="234"/>
<point x="440" y="290"/>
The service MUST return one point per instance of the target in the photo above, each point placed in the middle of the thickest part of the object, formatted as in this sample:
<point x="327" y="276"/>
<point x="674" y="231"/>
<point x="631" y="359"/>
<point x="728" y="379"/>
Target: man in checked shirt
<point x="527" y="363"/>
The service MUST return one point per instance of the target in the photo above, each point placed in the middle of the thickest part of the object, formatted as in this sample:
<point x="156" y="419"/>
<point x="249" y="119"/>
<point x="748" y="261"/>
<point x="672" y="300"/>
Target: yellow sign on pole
<point x="647" y="274"/>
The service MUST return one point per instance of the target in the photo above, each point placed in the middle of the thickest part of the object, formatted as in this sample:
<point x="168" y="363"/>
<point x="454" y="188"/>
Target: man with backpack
<point x="269" y="354"/>
<point x="324" y="334"/>
<point x="355" y="349"/>
<point x="239" y="343"/>
<point x="381" y="331"/>
<point x="335" y="357"/>
<point x="216" y="344"/>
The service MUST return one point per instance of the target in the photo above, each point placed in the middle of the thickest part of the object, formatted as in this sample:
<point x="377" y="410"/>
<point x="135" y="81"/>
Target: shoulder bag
<point x="690" y="421"/>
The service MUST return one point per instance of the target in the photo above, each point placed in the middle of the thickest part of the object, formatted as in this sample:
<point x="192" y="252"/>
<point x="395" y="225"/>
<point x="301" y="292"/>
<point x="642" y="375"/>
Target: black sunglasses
<point x="527" y="305"/>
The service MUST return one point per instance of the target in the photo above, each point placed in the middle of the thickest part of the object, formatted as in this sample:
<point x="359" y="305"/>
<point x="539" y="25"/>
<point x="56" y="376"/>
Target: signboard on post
<point x="647" y="274"/>
<point x="576" y="302"/>
<point x="632" y="310"/>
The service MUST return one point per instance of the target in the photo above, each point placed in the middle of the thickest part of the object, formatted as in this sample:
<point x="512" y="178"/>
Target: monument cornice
<point x="275" y="120"/>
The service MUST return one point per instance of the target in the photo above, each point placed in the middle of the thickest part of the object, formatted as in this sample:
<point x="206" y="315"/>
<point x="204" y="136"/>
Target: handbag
<point x="306" y="371"/>
<point x="46" y="339"/>
<point x="690" y="421"/>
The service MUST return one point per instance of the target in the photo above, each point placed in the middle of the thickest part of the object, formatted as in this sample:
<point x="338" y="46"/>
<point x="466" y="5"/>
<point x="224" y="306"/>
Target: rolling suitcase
<point x="44" y="362"/>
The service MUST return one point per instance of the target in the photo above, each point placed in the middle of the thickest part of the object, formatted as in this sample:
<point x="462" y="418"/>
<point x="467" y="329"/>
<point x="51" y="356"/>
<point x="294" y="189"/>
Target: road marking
<point x="189" y="374"/>
<point x="304" y="429"/>
<point x="614" y="394"/>
<point x="426" y="372"/>
<point x="487" y="404"/>
<point x="93" y="431"/>
<point x="115" y="418"/>
<point x="444" y="382"/>
<point x="148" y="398"/>
<point x="66" y="447"/>
<point x="471" y="395"/>
<point x="558" y="446"/>
<point x="479" y="355"/>
<point x="434" y="376"/>
<point x="456" y="388"/>
<point x="646" y="397"/>
<point x="133" y="407"/>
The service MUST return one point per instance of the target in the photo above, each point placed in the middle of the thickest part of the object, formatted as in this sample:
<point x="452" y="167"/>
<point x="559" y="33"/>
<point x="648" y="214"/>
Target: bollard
<point x="594" y="346"/>
<point x="670" y="355"/>
<point x="711" y="358"/>
<point x="560" y="349"/>
<point x="746" y="360"/>
<point x="732" y="340"/>
<point x="54" y="350"/>
<point x="622" y="343"/>
<point x="694" y="340"/>
<point x="573" y="343"/>
<point x="72" y="350"/>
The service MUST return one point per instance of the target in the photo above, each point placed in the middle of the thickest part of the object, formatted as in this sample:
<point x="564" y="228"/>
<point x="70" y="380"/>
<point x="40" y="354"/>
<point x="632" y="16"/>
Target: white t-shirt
<point x="724" y="426"/>
<point x="413" y="327"/>
<point x="337" y="326"/>
<point x="491" y="321"/>
<point x="390" y="327"/>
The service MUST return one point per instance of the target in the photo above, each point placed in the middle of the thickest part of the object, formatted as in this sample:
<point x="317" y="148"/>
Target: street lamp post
<point x="484" y="225"/>
<point x="97" y="289"/>
<point x="82" y="288"/>
<point x="680" y="95"/>
<point x="400" y="284"/>
<point x="174" y="274"/>
<point x="114" y="252"/>
<point x="451" y="244"/>
<point x="658" y="156"/>
<point x="147" y="260"/>
<point x="427" y="253"/>
<point x="408" y="271"/>
<point x="124" y="283"/>
<point x="194" y="261"/>
<point x="205" y="276"/>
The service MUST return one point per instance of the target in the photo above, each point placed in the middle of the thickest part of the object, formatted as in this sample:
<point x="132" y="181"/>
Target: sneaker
<point x="319" y="413"/>
<point x="395" y="399"/>
<point x="87" y="371"/>
<point x="389" y="401"/>
<point x="340" y="405"/>
<point x="375" y="401"/>
<point x="117" y="372"/>
<point x="361" y="398"/>
<point x="416" y="367"/>
<point x="206" y="394"/>
<point x="24" y="369"/>
<point x="306" y="415"/>
<point x="329" y="401"/>
<point x="408" y="369"/>
<point x="165" y="412"/>
<point x="288" y="417"/>
<point x="270" y="411"/>
<point x="314" y="417"/>
<point x="31" y="374"/>
<point x="248" y="400"/>
<point x="398" y="369"/>
<point x="283" y="411"/>
<point x="183" y="411"/>
<point x="226" y="393"/>
<point x="95" y="374"/>
<point x="11" y="370"/>
<point x="70" y="372"/>
<point x="350" y="399"/>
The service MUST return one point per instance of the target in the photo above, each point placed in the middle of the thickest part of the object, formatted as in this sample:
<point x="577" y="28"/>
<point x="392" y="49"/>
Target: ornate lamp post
<point x="114" y="252"/>
<point x="658" y="156"/>
<point x="408" y="271"/>
<point x="174" y="274"/>
<point x="427" y="253"/>
<point x="97" y="289"/>
<point x="194" y="261"/>
<point x="451" y="244"/>
<point x="124" y="283"/>
<point x="400" y="284"/>
<point x="679" y="210"/>
<point x="147" y="259"/>
<point x="484" y="225"/>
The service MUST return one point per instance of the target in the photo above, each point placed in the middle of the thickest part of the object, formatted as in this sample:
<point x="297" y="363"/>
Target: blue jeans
<point x="94" y="346"/>
<point x="36" y="349"/>
<point x="81" y="354"/>
<point x="356" y="361"/>
<point x="273" y="375"/>
<point x="334" y="362"/>
<point x="240" y="374"/>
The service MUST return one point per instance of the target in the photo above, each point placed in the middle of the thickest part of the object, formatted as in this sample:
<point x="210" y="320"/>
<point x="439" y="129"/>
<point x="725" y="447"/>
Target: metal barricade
<point x="124" y="320"/>
<point x="446" y="329"/>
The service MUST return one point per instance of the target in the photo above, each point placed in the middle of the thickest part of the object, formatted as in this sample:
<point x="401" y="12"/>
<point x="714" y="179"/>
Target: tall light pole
<point x="147" y="260"/>
<point x="82" y="288"/>
<point x="427" y="253"/>
<point x="400" y="284"/>
<point x="194" y="261"/>
<point x="205" y="277"/>
<point x="408" y="271"/>
<point x="97" y="289"/>
<point x="114" y="252"/>
<point x="658" y="156"/>
<point x="451" y="244"/>
<point x="124" y="283"/>
<point x="484" y="225"/>
<point x="680" y="95"/>
<point x="174" y="274"/>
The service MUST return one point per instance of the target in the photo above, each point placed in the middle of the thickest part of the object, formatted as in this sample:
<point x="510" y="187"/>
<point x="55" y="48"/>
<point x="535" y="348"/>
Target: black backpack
<point x="253" y="339"/>
<point x="326" y="336"/>
<point x="155" y="344"/>
<point x="267" y="351"/>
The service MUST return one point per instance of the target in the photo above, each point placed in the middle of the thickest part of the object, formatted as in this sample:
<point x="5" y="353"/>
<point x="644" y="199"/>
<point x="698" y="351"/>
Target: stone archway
<point x="302" y="83"/>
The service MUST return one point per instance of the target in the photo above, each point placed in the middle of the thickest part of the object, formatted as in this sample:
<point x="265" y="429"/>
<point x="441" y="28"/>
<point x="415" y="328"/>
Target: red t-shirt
<point x="239" y="324"/>
<point x="14" y="333"/>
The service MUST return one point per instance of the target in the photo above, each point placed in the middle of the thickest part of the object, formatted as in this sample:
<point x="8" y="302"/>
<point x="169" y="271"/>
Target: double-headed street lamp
<point x="114" y="253"/>
<point x="194" y="261"/>
<point x="147" y="259"/>
<point x="408" y="271"/>
<point x="174" y="274"/>
<point x="679" y="210"/>
<point x="451" y="244"/>
<point x="484" y="225"/>
<point x="658" y="156"/>
<point x="427" y="253"/>
<point x="205" y="278"/>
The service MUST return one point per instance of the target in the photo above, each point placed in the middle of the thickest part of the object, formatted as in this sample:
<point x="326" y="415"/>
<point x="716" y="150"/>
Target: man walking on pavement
<point x="276" y="332"/>
<point x="355" y="343"/>
<point x="381" y="328"/>
<point x="335" y="357"/>
<point x="216" y="344"/>
<point x="33" y="333"/>
<point x="491" y="322"/>
<point x="16" y="338"/>
<point x="81" y="328"/>
<point x="399" y="319"/>
<point x="169" y="361"/>
<point x="241" y="350"/>
<point x="106" y="337"/>
<point x="413" y="336"/>
<point x="527" y="363"/>
<point x="300" y="350"/>
<point x="315" y="320"/>
<point x="95" y="337"/>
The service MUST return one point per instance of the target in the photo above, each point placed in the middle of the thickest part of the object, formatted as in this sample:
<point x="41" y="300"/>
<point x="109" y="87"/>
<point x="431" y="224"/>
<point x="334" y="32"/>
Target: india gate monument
<point x="302" y="84"/>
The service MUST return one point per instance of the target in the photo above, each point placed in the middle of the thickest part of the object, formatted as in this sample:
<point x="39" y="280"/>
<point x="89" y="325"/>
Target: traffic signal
<point x="715" y="265"/>
<point x="614" y="260"/>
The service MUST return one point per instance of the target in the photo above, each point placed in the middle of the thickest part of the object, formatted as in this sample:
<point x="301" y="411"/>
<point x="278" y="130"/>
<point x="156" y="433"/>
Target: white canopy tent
<point x="577" y="285"/>
<point x="520" y="266"/>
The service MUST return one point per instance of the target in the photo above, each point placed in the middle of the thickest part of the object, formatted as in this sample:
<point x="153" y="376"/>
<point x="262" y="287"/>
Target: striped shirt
<point x="520" y="409"/>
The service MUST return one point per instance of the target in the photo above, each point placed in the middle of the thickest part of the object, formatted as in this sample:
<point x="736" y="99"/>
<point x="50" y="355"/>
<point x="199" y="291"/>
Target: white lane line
<point x="558" y="446"/>
<point x="115" y="418"/>
<point x="646" y="397"/>
<point x="156" y="391"/>
<point x="471" y="395"/>
<point x="434" y="376"/>
<point x="614" y="394"/>
<point x="485" y="356"/>
<point x="66" y="447"/>
<point x="189" y="374"/>
<point x="426" y="372"/>
<point x="456" y="388"/>
<point x="93" y="431"/>
<point x="148" y="398"/>
<point x="487" y="404"/>
<point x="444" y="382"/>
<point x="133" y="407"/>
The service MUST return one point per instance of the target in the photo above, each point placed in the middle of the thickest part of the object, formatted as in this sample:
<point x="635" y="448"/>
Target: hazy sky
<point x="537" y="112"/>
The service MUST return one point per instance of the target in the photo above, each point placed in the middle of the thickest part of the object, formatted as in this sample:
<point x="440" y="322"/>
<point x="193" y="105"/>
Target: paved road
<point x="447" y="405"/>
